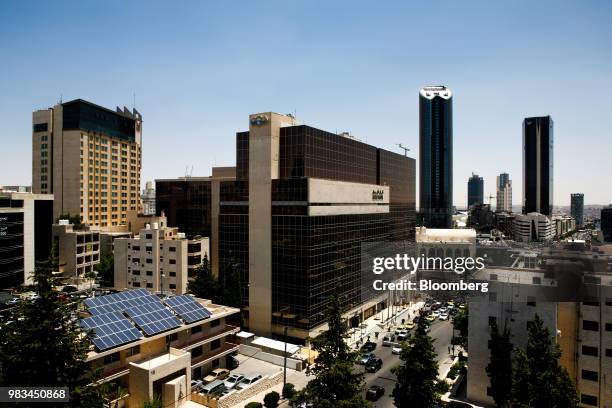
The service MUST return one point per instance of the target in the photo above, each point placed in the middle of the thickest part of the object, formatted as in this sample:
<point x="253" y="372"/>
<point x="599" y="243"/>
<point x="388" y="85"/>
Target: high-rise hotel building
<point x="538" y="165"/>
<point x="293" y="222"/>
<point x="436" y="156"/>
<point x="89" y="158"/>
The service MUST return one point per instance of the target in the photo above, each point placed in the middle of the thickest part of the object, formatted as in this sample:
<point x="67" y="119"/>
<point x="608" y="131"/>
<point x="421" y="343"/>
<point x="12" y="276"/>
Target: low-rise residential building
<point x="159" y="359"/>
<point x="157" y="259"/>
<point x="563" y="224"/>
<point x="77" y="248"/>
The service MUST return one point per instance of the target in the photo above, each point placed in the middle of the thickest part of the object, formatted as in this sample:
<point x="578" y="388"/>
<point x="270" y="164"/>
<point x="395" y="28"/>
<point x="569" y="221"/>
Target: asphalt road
<point x="441" y="332"/>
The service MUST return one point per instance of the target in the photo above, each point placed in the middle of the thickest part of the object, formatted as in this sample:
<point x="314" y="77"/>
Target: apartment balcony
<point x="208" y="337"/>
<point x="224" y="350"/>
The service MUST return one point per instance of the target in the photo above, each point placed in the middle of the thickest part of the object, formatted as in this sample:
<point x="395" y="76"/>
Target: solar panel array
<point x="111" y="329"/>
<point x="153" y="318"/>
<point x="144" y="311"/>
<point x="188" y="308"/>
<point x="120" y="301"/>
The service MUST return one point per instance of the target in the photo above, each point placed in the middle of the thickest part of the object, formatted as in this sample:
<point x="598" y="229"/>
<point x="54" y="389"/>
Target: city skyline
<point x="198" y="82"/>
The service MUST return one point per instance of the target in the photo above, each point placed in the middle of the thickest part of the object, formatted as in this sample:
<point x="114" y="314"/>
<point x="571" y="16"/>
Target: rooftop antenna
<point x="401" y="146"/>
<point x="134" y="101"/>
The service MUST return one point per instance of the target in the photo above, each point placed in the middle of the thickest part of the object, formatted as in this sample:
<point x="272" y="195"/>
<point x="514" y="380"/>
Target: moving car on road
<point x="396" y="350"/>
<point x="443" y="316"/>
<point x="368" y="346"/>
<point x="365" y="357"/>
<point x="373" y="365"/>
<point x="374" y="392"/>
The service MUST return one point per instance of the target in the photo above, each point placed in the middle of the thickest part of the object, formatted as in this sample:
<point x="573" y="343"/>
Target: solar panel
<point x="110" y="330"/>
<point x="120" y="301"/>
<point x="188" y="308"/>
<point x="153" y="318"/>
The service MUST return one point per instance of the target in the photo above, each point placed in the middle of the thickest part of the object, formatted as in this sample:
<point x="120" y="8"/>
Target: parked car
<point x="14" y="301"/>
<point x="214" y="387"/>
<point x="368" y="346"/>
<point x="396" y="350"/>
<point x="443" y="316"/>
<point x="374" y="392"/>
<point x="443" y="310"/>
<point x="374" y="364"/>
<point x="233" y="380"/>
<point x="430" y="318"/>
<point x="195" y="384"/>
<point x="69" y="289"/>
<point x="365" y="357"/>
<point x="435" y="313"/>
<point x="216" y="374"/>
<point x="248" y="380"/>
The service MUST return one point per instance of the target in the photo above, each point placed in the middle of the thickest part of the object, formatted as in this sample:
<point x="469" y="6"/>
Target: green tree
<point x="417" y="375"/>
<point x="106" y="270"/>
<point x="500" y="365"/>
<point x="539" y="380"/>
<point x="156" y="402"/>
<point x="288" y="391"/>
<point x="205" y="285"/>
<point x="44" y="346"/>
<point x="271" y="399"/>
<point x="253" y="405"/>
<point x="460" y="323"/>
<point x="231" y="282"/>
<point x="73" y="219"/>
<point x="336" y="384"/>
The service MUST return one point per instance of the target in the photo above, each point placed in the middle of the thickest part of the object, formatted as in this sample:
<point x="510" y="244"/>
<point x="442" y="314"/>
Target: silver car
<point x="233" y="380"/>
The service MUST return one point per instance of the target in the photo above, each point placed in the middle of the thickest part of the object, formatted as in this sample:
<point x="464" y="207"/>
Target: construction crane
<point x="401" y="146"/>
<point x="491" y="197"/>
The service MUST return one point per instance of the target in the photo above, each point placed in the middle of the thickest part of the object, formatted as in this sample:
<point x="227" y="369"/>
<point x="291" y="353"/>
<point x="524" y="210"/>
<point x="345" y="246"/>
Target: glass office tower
<point x="436" y="156"/>
<point x="538" y="165"/>
<point x="475" y="190"/>
<point x="577" y="208"/>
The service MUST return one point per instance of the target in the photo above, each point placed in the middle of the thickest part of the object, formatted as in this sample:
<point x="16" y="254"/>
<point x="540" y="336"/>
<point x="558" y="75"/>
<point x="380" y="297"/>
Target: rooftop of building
<point x="430" y="92"/>
<point x="132" y="317"/>
<point x="424" y="234"/>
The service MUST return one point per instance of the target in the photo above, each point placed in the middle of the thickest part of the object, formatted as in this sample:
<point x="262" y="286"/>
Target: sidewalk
<point x="380" y="322"/>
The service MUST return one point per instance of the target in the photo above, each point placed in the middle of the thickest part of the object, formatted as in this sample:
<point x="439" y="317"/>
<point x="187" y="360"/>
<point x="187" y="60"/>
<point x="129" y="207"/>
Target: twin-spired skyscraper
<point x="436" y="156"/>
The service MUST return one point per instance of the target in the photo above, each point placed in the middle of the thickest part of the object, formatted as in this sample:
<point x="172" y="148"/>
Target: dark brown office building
<point x="294" y="220"/>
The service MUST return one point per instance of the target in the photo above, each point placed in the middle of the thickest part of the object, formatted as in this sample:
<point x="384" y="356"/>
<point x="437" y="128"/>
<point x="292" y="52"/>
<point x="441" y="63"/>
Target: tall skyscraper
<point x="436" y="156"/>
<point x="577" y="208"/>
<point x="504" y="193"/>
<point x="606" y="223"/>
<point x="475" y="190"/>
<point x="148" y="199"/>
<point x="538" y="165"/>
<point x="89" y="158"/>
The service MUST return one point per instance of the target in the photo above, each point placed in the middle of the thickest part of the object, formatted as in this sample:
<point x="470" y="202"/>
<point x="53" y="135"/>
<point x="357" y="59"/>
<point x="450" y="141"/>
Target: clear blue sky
<point x="199" y="68"/>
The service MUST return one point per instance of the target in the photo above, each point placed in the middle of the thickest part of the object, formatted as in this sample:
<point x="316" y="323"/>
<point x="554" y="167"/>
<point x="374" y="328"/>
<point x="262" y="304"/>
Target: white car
<point x="443" y="310"/>
<point x="396" y="350"/>
<point x="435" y="313"/>
<point x="233" y="380"/>
<point x="443" y="316"/>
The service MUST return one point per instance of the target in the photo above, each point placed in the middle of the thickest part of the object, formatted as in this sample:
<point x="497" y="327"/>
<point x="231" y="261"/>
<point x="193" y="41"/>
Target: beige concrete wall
<point x="264" y="135"/>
